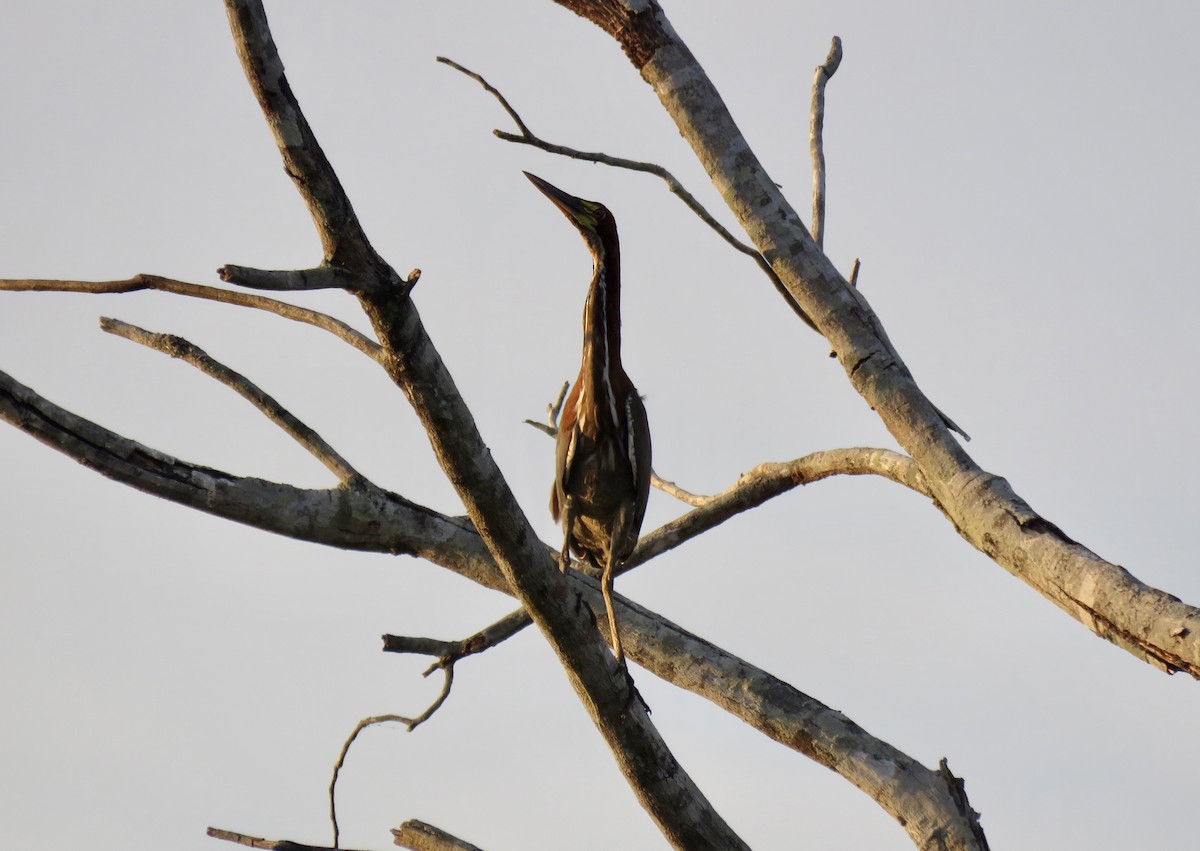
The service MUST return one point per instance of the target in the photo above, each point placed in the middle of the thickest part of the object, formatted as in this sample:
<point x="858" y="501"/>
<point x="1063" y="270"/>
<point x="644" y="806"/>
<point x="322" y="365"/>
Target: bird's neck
<point x="601" y="375"/>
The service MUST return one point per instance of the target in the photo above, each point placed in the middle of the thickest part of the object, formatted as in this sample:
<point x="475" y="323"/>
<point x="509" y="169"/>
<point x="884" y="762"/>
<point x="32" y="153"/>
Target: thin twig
<point x="527" y="137"/>
<point x="410" y="723"/>
<point x="419" y="836"/>
<point x="816" y="143"/>
<point x="157" y="283"/>
<point x="447" y="684"/>
<point x="341" y="760"/>
<point x="178" y="347"/>
<point x="854" y="273"/>
<point x="672" y="489"/>
<point x="550" y="426"/>
<point x="552" y="411"/>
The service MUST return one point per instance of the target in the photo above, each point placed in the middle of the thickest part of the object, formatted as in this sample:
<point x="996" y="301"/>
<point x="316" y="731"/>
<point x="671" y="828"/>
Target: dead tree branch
<point x="178" y="347"/>
<point x="982" y="506"/>
<point x="677" y="805"/>
<point x="764" y="482"/>
<point x="410" y="723"/>
<point x="268" y="844"/>
<point x="368" y="519"/>
<point x="290" y="280"/>
<point x="449" y="652"/>
<point x="157" y="283"/>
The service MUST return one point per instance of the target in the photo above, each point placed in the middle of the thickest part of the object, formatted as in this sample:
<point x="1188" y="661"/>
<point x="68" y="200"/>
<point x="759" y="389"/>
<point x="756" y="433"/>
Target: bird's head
<point x="592" y="219"/>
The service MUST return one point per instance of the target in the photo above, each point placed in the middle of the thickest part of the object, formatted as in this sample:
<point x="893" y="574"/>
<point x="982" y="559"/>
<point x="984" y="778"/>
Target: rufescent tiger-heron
<point x="602" y="452"/>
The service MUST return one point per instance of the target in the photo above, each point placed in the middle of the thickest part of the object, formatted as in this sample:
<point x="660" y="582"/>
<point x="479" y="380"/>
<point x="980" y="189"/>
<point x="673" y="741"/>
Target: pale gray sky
<point x="1020" y="181"/>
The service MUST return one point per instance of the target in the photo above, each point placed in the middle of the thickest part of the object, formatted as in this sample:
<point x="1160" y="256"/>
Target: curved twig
<point x="341" y="761"/>
<point x="411" y="723"/>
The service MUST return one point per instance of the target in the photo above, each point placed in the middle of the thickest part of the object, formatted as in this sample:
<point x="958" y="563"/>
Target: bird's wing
<point x="637" y="442"/>
<point x="564" y="453"/>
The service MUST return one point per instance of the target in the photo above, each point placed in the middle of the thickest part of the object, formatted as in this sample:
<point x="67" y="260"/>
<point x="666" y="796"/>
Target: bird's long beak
<point x="575" y="209"/>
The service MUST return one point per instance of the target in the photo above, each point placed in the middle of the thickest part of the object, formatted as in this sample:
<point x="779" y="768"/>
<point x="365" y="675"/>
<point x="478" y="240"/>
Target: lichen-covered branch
<point x="1154" y="626"/>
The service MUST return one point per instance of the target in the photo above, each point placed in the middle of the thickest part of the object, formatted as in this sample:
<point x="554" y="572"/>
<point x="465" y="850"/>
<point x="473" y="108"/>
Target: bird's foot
<point x="631" y="692"/>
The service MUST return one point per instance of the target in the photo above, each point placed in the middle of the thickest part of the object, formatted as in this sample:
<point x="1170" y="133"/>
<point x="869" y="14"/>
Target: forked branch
<point x="682" y="812"/>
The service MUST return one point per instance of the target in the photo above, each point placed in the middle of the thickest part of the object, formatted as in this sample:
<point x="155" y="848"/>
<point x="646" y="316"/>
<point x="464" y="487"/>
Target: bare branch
<point x="411" y="723"/>
<point x="983" y="507"/>
<point x="419" y="836"/>
<point x="368" y="519"/>
<point x="553" y="410"/>
<point x="816" y="142"/>
<point x="664" y="788"/>
<point x="270" y="844"/>
<point x="527" y="137"/>
<point x="139" y="283"/>
<point x="359" y="517"/>
<point x="341" y="760"/>
<point x="342" y="237"/>
<point x="550" y="426"/>
<point x="752" y="489"/>
<point x="667" y="792"/>
<point x="770" y="480"/>
<point x="449" y="652"/>
<point x="178" y="347"/>
<point x="291" y="280"/>
<point x="672" y="489"/>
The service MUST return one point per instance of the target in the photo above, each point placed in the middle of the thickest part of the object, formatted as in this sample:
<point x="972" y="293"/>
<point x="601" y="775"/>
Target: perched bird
<point x="602" y="453"/>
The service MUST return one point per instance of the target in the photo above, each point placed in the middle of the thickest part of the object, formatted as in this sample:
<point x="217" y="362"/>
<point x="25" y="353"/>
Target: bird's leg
<point x="564" y="560"/>
<point x="606" y="586"/>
